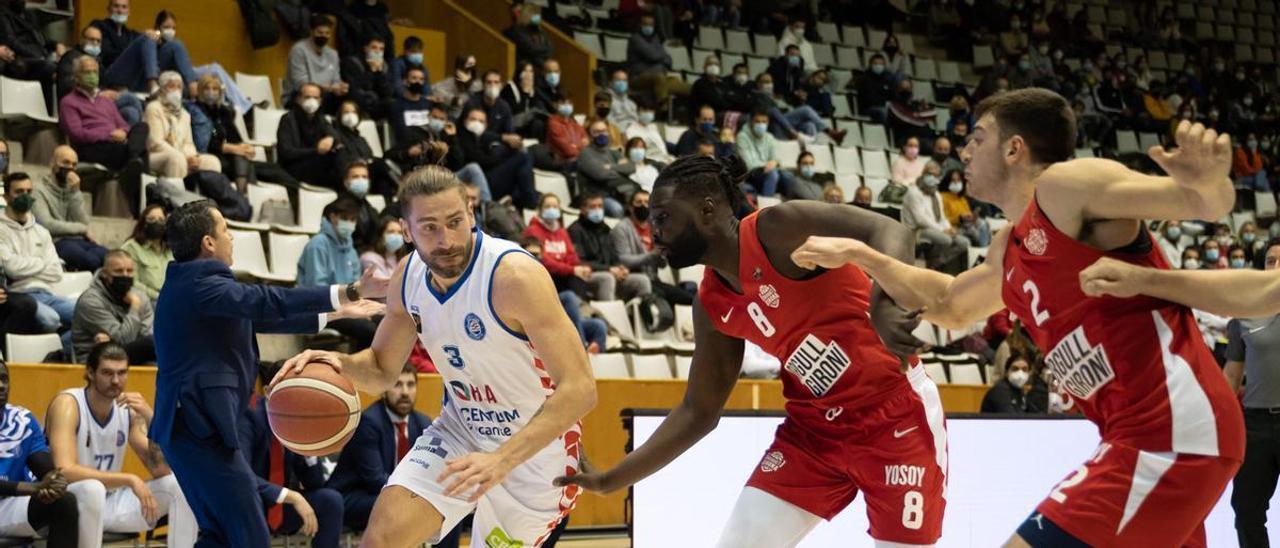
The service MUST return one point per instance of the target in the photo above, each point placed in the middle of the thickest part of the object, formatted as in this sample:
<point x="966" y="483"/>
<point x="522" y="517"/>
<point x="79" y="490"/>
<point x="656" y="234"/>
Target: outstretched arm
<point x="1215" y="291"/>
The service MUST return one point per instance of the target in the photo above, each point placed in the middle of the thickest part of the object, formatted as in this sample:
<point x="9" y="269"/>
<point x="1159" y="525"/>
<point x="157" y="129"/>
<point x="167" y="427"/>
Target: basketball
<point x="314" y="412"/>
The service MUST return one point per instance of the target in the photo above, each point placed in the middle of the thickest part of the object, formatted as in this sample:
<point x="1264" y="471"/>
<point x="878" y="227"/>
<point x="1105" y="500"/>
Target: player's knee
<point x="89" y="493"/>
<point x="65" y="509"/>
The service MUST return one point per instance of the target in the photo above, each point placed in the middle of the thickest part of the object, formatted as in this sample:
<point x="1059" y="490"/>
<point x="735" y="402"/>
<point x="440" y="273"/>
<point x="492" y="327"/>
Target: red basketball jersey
<point x="1138" y="367"/>
<point x="819" y="328"/>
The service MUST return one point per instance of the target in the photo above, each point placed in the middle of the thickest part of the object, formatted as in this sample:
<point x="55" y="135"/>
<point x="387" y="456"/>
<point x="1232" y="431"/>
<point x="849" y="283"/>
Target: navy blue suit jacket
<point x="368" y="459"/>
<point x="255" y="443"/>
<point x="207" y="356"/>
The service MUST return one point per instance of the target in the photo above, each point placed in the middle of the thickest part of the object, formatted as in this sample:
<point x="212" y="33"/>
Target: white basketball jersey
<point x="493" y="379"/>
<point x="100" y="446"/>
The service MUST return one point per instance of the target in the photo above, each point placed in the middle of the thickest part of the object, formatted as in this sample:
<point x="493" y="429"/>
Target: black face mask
<point x="904" y="96"/>
<point x="641" y="213"/>
<point x="416" y="88"/>
<point x="120" y="286"/>
<point x="154" y="230"/>
<point x="602" y="112"/>
<point x="891" y="49"/>
<point x="320" y="41"/>
<point x="60" y="174"/>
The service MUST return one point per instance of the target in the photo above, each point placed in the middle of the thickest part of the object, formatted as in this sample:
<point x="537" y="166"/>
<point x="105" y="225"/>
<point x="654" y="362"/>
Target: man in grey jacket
<point x="604" y="170"/>
<point x="28" y="256"/>
<point x="60" y="208"/>
<point x="112" y="310"/>
<point x="633" y="239"/>
<point x="648" y="63"/>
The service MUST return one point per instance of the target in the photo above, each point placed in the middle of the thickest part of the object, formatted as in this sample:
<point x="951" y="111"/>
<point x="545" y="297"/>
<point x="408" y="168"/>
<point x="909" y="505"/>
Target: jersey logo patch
<point x="818" y="365"/>
<point x="473" y="326"/>
<point x="1080" y="368"/>
<point x="770" y="296"/>
<point x="772" y="462"/>
<point x="417" y="319"/>
<point x="1037" y="242"/>
<point x="119" y="438"/>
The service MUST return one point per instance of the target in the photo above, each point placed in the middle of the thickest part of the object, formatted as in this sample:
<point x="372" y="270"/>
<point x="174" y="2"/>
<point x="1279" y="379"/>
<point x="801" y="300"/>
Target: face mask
<point x="940" y="157"/>
<point x="60" y="175"/>
<point x="741" y="79"/>
<point x="89" y="81"/>
<point x="1248" y="237"/>
<point x="4" y="162"/>
<point x="1044" y="50"/>
<point x="1248" y="101"/>
<point x="120" y="285"/>
<point x="891" y="49"/>
<point x="1237" y="263"/>
<point x="310" y="105"/>
<point x="1239" y="76"/>
<point x="535" y="20"/>
<point x="359" y="186"/>
<point x="956" y="188"/>
<point x="1173" y="232"/>
<point x="345" y="229"/>
<point x="806" y="171"/>
<point x="168" y="34"/>
<point x="759" y="129"/>
<point x="173" y="98"/>
<point x="414" y="58"/>
<point x="911" y="152"/>
<point x="319" y="41"/>
<point x="154" y="230"/>
<point x="475" y="127"/>
<point x="1191" y="264"/>
<point x="553" y="79"/>
<point x="1224" y="241"/>
<point x="640" y="213"/>
<point x="550" y="214"/>
<point x="602" y="112"/>
<point x="1252" y="143"/>
<point x="620" y="86"/>
<point x="373" y="55"/>
<point x="209" y="98"/>
<point x="767" y="88"/>
<point x="595" y="215"/>
<point x="350" y="119"/>
<point x="416" y="88"/>
<point x="1019" y="378"/>
<point x="1219" y="67"/>
<point x="23" y="203"/>
<point x="393" y="242"/>
<point x="93" y="50"/>
<point x="877" y="68"/>
<point x="435" y="124"/>
<point x="1024" y="66"/>
<point x="708" y="127"/>
<point x="713" y="70"/>
<point x="565" y="109"/>
<point x="120" y="18"/>
<point x="646" y="117"/>
<point x="1211" y="254"/>
<point x="929" y="182"/>
<point x="793" y="60"/>
<point x="601" y="140"/>
<point x="636" y="155"/>
<point x="646" y="30"/>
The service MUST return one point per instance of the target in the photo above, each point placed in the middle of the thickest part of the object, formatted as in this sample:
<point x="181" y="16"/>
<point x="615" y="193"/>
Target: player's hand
<point x="1112" y="277"/>
<point x="588" y="478"/>
<point x="1203" y="156"/>
<point x="825" y="252"/>
<point x="137" y="404"/>
<point x="51" y="487"/>
<point x="896" y="327"/>
<point x="474" y="473"/>
<point x="362" y="309"/>
<point x="372" y="285"/>
<point x="299" y="362"/>
<point x="304" y="510"/>
<point x="150" y="510"/>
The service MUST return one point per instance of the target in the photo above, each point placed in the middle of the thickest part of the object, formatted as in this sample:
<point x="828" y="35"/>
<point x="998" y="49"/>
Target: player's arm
<point x="1197" y="186"/>
<point x="61" y="422"/>
<point x="952" y="302"/>
<point x="146" y="450"/>
<point x="717" y="361"/>
<point x="1235" y="293"/>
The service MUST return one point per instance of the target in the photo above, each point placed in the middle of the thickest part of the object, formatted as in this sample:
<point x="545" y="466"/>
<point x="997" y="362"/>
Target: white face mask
<point x="1019" y="378"/>
<point x="310" y="105"/>
<point x="168" y="34"/>
<point x="492" y="91"/>
<point x="475" y="126"/>
<point x="173" y="98"/>
<point x="350" y="119"/>
<point x="713" y="70"/>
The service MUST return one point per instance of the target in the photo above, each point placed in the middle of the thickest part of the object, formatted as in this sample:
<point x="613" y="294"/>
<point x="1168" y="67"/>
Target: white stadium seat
<point x="285" y="251"/>
<point x="24" y="99"/>
<point x="650" y="366"/>
<point x="609" y="366"/>
<point x="72" y="284"/>
<point x="31" y="348"/>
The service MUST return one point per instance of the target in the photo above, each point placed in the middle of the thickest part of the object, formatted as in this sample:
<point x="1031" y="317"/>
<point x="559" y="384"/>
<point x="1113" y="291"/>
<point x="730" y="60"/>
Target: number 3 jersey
<point x="819" y="328"/>
<point x="1136" y="367"/>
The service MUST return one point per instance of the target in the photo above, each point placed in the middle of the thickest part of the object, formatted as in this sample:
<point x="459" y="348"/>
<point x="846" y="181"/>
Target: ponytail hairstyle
<point x="700" y="176"/>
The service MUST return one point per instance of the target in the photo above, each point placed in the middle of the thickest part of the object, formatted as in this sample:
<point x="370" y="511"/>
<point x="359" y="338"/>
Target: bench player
<point x="854" y="421"/>
<point x="516" y="380"/>
<point x="1172" y="432"/>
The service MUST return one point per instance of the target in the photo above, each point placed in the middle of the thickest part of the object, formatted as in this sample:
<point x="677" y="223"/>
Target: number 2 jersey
<point x="1136" y="367"/>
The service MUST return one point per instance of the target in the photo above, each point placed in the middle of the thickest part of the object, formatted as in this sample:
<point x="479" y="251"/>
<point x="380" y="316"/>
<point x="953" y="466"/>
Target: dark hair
<point x="802" y="155"/>
<point x="700" y="175"/>
<point x="946" y="178"/>
<point x="460" y="62"/>
<point x="1041" y="117"/>
<point x="491" y="71"/>
<point x="140" y="228"/>
<point x="1270" y="244"/>
<point x="546" y="196"/>
<point x="409" y="368"/>
<point x="186" y="228"/>
<point x="879" y="56"/>
<point x="320" y="20"/>
<point x="634" y="140"/>
<point x="163" y="16"/>
<point x="412" y="42"/>
<point x="15" y="177"/>
<point x="105" y="351"/>
<point x="602" y="95"/>
<point x="591" y="194"/>
<point x="792" y="47"/>
<point x="428" y="180"/>
<point x="354" y="163"/>
<point x="344" y="206"/>
<point x="520" y="68"/>
<point x="415" y="69"/>
<point x="374" y="38"/>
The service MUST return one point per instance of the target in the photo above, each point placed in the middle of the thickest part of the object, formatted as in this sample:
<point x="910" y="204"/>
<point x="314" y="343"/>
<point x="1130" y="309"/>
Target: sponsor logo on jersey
<point x="770" y="296"/>
<point x="417" y="318"/>
<point x="1037" y="242"/>
<point x="499" y="539"/>
<point x="833" y="413"/>
<point x="904" y="474"/>
<point x="435" y="446"/>
<point x="772" y="461"/>
<point x="119" y="438"/>
<point x="15" y="429"/>
<point x="818" y="365"/>
<point x="1079" y="367"/>
<point x="471" y="392"/>
<point x="757" y="274"/>
<point x="473" y="326"/>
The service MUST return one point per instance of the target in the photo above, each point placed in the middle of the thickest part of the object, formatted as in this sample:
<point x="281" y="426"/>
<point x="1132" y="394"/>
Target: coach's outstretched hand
<point x="297" y="363"/>
<point x="1112" y="277"/>
<point x="373" y="286"/>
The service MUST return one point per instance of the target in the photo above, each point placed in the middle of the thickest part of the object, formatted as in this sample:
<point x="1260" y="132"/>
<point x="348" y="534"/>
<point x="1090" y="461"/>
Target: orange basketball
<point x="314" y="412"/>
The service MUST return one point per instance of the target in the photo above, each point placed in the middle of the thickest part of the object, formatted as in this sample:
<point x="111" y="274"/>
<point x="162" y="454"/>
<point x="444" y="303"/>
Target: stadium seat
<point x="589" y="41"/>
<point x="691" y="274"/>
<point x="876" y="184"/>
<point x="247" y="255"/>
<point x="966" y="374"/>
<point x="285" y="250"/>
<point x="976" y="253"/>
<point x="256" y="88"/>
<point x="786" y="152"/>
<point x="609" y="366"/>
<point x="311" y="202"/>
<point x="650" y="366"/>
<point x="949" y="72"/>
<point x="1127" y="142"/>
<point x="684" y="321"/>
<point x="839" y="77"/>
<point x="679" y="58"/>
<point x="853" y="139"/>
<point x="710" y="37"/>
<point x="369" y="130"/>
<point x="265" y="123"/>
<point x="31" y="348"/>
<point x="258" y="193"/>
<point x="615" y="48"/>
<point x="1085" y="153"/>
<point x="875" y="39"/>
<point x="378" y="201"/>
<point x="936" y="372"/>
<point x="737" y="41"/>
<point x="848" y="58"/>
<point x="941" y="119"/>
<point x="767" y="201"/>
<point x="672" y="132"/>
<point x="1147" y="140"/>
<point x="907" y="43"/>
<point x="927" y="333"/>
<point x="828" y="32"/>
<point x="874" y="136"/>
<point x="983" y="57"/>
<point x="700" y="56"/>
<point x="757" y="65"/>
<point x="822" y="159"/>
<point x="875" y="164"/>
<point x="683" y="365"/>
<point x="555" y="183"/>
<point x="766" y="45"/>
<point x="24" y="99"/>
<point x="1266" y="205"/>
<point x="854" y="36"/>
<point x="841" y="104"/>
<point x="72" y="284"/>
<point x="926" y="69"/>
<point x="728" y="60"/>
<point x="615" y="314"/>
<point x="823" y="57"/>
<point x="922" y="90"/>
<point x="1243" y="52"/>
<point x="848" y="184"/>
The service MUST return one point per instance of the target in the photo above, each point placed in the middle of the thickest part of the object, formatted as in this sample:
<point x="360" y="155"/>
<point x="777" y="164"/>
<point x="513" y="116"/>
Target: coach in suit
<point x="207" y="362"/>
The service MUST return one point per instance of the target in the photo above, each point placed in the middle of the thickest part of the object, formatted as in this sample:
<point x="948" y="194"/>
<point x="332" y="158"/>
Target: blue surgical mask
<point x="636" y="155"/>
<point x="929" y="181"/>
<point x="373" y="56"/>
<point x="1248" y="237"/>
<point x="646" y="30"/>
<point x="793" y="60"/>
<point x="708" y="127"/>
<point x="435" y="124"/>
<point x="535" y="20"/>
<point x="93" y="50"/>
<point x="393" y="242"/>
<point x="595" y="215"/>
<point x="550" y="214"/>
<point x="759" y="128"/>
<point x="1024" y="65"/>
<point x="1237" y="263"/>
<point x="359" y="187"/>
<point x="620" y="86"/>
<point x="807" y="171"/>
<point x="415" y="58"/>
<point x="4" y="162"/>
<point x="646" y="117"/>
<point x="553" y="79"/>
<point x="877" y="68"/>
<point x="1253" y="144"/>
<point x="120" y="18"/>
<point x="565" y="109"/>
<point x="601" y="140"/>
<point x="1211" y="254"/>
<point x="1173" y="232"/>
<point x="345" y="229"/>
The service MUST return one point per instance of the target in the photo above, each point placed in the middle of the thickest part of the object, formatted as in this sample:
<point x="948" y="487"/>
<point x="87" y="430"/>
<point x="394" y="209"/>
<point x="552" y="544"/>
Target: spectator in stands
<point x="129" y="58"/>
<point x="501" y="220"/>
<point x="1249" y="166"/>
<point x="833" y="194"/>
<point x="945" y="156"/>
<point x="369" y="79"/>
<point x="1236" y="258"/>
<point x="1022" y="74"/>
<point x="1254" y="247"/>
<point x="28" y="506"/>
<point x="788" y="72"/>
<point x="94" y="127"/>
<point x="622" y="110"/>
<point x="804" y="181"/>
<point x="305" y="142"/>
<point x="605" y="170"/>
<point x="609" y="279"/>
<point x="923" y="213"/>
<point x="496" y="110"/>
<point x="633" y="241"/>
<point x="742" y="95"/>
<point x="291" y="486"/>
<point x="548" y="92"/>
<point x="909" y="164"/>
<point x="25" y="53"/>
<point x="172" y="55"/>
<point x="60" y="208"/>
<point x="909" y="116"/>
<point x="703" y="128"/>
<point x="794" y="36"/>
<point x="558" y="254"/>
<point x="214" y="132"/>
<point x="412" y="58"/>
<point x="756" y="148"/>
<point x="592" y="331"/>
<point x="897" y="63"/>
<point x="657" y="149"/>
<point x="457" y="90"/>
<point x="960" y="213"/>
<point x="1015" y="40"/>
<point x="603" y="102"/>
<point x="149" y="250"/>
<point x="112" y="309"/>
<point x="1214" y="253"/>
<point x="1012" y="393"/>
<point x="1168" y="235"/>
<point x="411" y="106"/>
<point x="518" y="93"/>
<point x="27" y="254"/>
<point x="648" y="63"/>
<point x="313" y="62"/>
<point x="533" y="43"/>
<point x="355" y="185"/>
<point x="646" y="170"/>
<point x="387" y="247"/>
<point x="1191" y="259"/>
<point x="566" y="139"/>
<point x="388" y="429"/>
<point x="353" y="148"/>
<point x="330" y="258"/>
<point x="507" y="168"/>
<point x="875" y="90"/>
<point x="800" y="122"/>
<point x="711" y="89"/>
<point x="815" y="94"/>
<point x="364" y="21"/>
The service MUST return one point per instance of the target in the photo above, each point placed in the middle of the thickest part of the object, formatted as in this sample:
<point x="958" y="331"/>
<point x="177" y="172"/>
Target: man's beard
<point x="437" y="262"/>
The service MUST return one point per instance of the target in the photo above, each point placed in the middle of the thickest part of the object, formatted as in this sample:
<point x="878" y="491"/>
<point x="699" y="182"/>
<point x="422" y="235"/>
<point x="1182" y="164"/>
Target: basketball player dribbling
<point x="1172" y="432"/>
<point x="855" y="421"/>
<point x="516" y="380"/>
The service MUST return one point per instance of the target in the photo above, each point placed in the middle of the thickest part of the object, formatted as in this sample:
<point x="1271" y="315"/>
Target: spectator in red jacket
<point x="565" y="136"/>
<point x="558" y="254"/>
